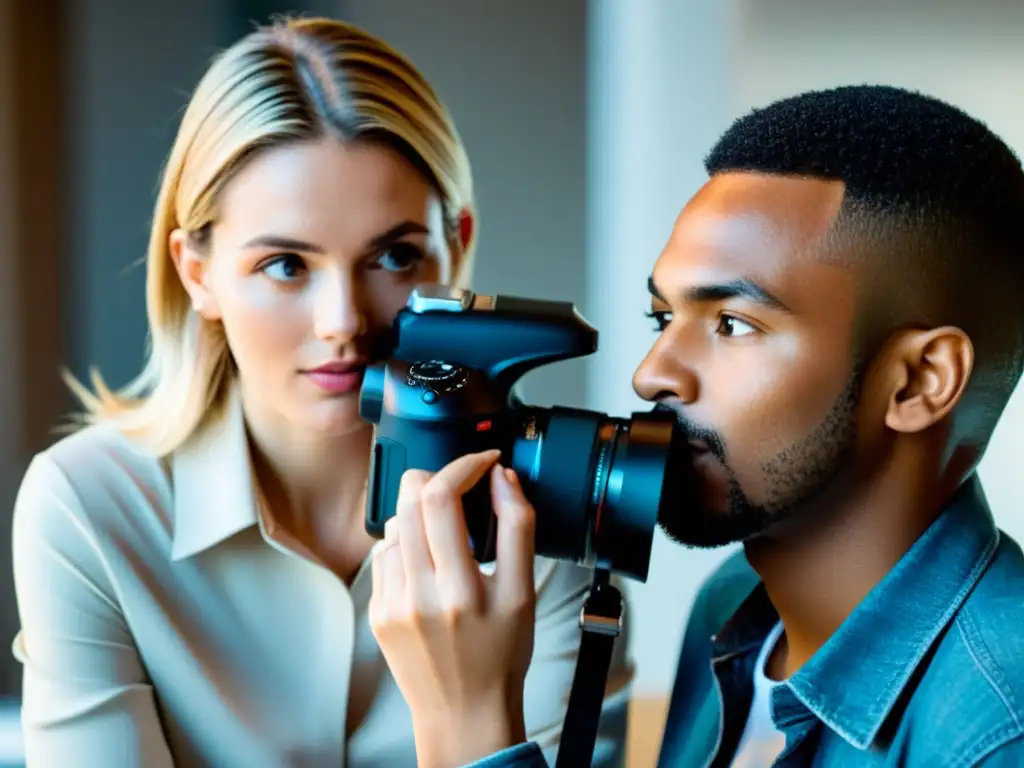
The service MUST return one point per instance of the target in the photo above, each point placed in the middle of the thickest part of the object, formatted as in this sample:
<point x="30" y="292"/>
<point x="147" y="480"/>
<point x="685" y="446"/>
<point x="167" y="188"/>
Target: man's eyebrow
<point x="389" y="236"/>
<point x="742" y="288"/>
<point x="653" y="288"/>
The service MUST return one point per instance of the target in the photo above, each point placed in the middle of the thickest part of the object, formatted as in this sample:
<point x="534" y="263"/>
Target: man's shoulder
<point x="723" y="591"/>
<point x="972" y="689"/>
<point x="999" y="593"/>
<point x="719" y="597"/>
<point x="692" y="722"/>
<point x="988" y="632"/>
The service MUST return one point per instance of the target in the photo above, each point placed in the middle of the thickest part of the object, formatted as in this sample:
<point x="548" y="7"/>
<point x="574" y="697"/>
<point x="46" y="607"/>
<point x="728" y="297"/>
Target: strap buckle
<point x="600" y="625"/>
<point x="601" y="622"/>
<point x="602" y="610"/>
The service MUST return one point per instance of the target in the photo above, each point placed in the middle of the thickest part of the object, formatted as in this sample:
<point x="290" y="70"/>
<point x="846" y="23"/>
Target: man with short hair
<point x="839" y="329"/>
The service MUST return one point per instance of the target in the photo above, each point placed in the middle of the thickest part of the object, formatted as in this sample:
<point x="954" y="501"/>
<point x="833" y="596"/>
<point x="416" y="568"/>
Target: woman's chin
<point x="336" y="417"/>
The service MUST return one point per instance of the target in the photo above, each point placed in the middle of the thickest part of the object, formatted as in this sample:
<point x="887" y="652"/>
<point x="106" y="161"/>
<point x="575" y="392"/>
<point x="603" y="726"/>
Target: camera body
<point x="447" y="389"/>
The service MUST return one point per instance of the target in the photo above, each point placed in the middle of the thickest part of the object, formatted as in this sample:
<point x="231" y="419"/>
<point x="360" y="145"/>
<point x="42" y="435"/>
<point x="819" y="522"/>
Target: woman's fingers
<point x="419" y="566"/>
<point x="388" y="575"/>
<point x="513" y="576"/>
<point x="443" y="515"/>
<point x="454" y="650"/>
<point x="458" y="577"/>
<point x="431" y="568"/>
<point x="391" y="561"/>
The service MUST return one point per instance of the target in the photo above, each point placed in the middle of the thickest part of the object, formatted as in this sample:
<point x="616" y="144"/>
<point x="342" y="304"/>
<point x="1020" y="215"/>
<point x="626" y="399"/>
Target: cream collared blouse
<point x="164" y="623"/>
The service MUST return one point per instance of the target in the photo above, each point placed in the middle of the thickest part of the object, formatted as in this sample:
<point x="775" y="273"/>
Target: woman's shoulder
<point x="102" y="459"/>
<point x="95" y="478"/>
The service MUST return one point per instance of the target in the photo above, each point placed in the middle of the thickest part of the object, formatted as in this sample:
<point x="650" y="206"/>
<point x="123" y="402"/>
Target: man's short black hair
<point x="931" y="194"/>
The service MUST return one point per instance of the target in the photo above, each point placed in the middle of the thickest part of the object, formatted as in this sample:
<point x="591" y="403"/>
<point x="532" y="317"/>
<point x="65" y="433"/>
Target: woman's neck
<point x="313" y="470"/>
<point x="314" y="486"/>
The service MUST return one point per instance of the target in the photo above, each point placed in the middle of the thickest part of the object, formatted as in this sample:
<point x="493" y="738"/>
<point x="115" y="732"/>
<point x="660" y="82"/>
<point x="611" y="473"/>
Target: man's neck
<point x="815" y="579"/>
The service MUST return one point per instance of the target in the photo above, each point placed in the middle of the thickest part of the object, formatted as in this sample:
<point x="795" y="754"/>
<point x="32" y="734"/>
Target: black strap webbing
<point x="601" y="622"/>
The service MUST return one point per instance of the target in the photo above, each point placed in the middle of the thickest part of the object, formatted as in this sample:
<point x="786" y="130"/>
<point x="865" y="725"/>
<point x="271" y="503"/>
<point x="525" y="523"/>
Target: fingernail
<point x="504" y="488"/>
<point x="509" y="484"/>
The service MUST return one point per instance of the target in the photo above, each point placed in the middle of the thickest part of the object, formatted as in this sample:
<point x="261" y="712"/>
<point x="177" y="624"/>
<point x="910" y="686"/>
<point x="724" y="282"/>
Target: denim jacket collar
<point x="853" y="682"/>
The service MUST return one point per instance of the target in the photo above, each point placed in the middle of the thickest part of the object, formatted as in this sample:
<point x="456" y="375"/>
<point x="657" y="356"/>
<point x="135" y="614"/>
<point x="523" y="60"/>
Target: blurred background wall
<point x="586" y="123"/>
<point x="32" y="259"/>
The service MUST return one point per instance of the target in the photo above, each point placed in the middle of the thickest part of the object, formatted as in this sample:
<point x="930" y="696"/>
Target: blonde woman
<point x="192" y="569"/>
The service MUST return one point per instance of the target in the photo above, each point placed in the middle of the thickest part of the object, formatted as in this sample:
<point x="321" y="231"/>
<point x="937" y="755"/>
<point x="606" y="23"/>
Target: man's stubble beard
<point x="794" y="479"/>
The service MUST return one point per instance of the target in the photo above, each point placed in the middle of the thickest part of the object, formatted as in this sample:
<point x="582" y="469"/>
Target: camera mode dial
<point x="436" y="377"/>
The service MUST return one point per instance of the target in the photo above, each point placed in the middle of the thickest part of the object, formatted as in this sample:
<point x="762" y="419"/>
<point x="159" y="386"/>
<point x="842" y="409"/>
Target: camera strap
<point x="601" y="622"/>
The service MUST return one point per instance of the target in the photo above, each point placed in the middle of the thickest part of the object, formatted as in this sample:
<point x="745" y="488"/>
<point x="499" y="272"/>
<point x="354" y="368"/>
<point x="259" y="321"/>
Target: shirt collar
<point x="853" y="682"/>
<point x="215" y="493"/>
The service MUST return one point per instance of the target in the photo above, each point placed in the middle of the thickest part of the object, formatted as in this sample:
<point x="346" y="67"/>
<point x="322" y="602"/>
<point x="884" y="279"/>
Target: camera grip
<point x="388" y="462"/>
<point x="387" y="465"/>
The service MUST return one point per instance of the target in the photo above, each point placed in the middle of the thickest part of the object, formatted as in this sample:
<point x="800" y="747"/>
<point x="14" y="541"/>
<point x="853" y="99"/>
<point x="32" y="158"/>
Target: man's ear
<point x="192" y="270"/>
<point x="928" y="372"/>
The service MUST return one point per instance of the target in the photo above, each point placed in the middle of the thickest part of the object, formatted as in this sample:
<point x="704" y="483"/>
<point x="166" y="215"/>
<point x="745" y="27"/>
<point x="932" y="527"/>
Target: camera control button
<point x="429" y="396"/>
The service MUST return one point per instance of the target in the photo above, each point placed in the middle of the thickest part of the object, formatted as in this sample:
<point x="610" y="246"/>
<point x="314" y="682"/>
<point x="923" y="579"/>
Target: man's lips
<point x="696" y="446"/>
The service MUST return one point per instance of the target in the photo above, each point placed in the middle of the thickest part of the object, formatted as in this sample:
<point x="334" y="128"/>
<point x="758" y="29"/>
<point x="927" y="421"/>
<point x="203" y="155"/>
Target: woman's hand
<point x="458" y="643"/>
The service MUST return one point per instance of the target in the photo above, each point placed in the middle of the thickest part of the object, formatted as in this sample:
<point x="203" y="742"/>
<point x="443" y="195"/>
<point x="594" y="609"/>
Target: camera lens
<point x="597" y="483"/>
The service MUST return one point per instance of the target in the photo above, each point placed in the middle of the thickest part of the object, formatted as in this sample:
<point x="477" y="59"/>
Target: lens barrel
<point x="596" y="483"/>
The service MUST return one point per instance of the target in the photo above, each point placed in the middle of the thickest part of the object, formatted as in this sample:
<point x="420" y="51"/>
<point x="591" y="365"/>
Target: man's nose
<point x="665" y="373"/>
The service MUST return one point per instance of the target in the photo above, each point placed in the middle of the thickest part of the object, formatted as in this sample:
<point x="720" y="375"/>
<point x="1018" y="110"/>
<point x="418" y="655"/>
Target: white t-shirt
<point x="761" y="742"/>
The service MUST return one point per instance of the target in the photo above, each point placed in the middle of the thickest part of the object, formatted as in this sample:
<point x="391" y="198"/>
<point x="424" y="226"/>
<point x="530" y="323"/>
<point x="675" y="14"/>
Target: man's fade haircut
<point x="933" y="198"/>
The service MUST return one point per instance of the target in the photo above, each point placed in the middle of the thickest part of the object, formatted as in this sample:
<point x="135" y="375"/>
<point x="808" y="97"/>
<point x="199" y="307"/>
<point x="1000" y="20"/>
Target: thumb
<point x="514" y="544"/>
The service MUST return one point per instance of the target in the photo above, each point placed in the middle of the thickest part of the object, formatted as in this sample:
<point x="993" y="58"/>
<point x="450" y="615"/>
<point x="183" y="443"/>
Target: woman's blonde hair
<point x="297" y="79"/>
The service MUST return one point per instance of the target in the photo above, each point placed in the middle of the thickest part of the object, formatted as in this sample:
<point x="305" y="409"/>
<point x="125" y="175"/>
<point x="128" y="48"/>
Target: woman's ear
<point x="193" y="272"/>
<point x="929" y="371"/>
<point x="463" y="238"/>
<point x="467" y="228"/>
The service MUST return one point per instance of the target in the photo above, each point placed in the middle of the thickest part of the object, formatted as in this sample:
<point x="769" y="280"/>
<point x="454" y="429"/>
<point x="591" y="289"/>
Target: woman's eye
<point x="733" y="327"/>
<point x="661" y="319"/>
<point x="284" y="268"/>
<point x="400" y="257"/>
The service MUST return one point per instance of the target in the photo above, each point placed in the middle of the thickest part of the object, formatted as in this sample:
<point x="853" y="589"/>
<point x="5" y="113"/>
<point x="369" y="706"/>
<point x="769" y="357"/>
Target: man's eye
<point x="400" y="257"/>
<point x="661" y="319"/>
<point x="733" y="327"/>
<point x="284" y="268"/>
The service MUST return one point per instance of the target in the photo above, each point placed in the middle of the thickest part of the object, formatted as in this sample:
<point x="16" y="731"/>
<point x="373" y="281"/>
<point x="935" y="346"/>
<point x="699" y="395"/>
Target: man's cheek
<point x="752" y="413"/>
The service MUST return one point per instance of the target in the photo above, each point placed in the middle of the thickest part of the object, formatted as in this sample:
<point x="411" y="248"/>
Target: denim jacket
<point x="927" y="671"/>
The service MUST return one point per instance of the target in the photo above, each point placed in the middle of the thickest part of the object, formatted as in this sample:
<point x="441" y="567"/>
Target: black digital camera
<point x="447" y="390"/>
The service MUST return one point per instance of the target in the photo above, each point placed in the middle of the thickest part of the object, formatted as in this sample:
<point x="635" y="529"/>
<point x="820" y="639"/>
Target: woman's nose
<point x="339" y="315"/>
